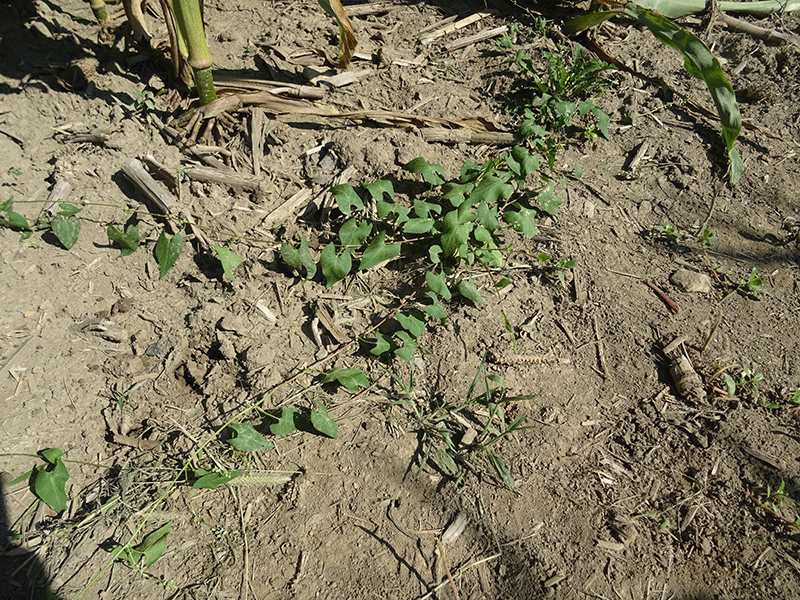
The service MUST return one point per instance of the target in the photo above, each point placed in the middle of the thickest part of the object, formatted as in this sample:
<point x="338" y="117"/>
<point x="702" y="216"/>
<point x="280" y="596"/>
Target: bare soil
<point x="625" y="488"/>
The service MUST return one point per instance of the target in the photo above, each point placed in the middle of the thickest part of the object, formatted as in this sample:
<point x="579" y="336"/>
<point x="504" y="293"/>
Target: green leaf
<point x="21" y="478"/>
<point x="67" y="209"/>
<point x="588" y="21"/>
<point x="522" y="163"/>
<point x="154" y="544"/>
<point x="129" y="555"/>
<point x="548" y="201"/>
<point x="406" y="351"/>
<point x="49" y="484"/>
<point x="299" y="259"/>
<point x="382" y="345"/>
<point x="346" y="198"/>
<point x="483" y="236"/>
<point x="353" y="234"/>
<point x="285" y="425"/>
<point x="446" y="462"/>
<point x="435" y="310"/>
<point x="377" y="251"/>
<point x="467" y="288"/>
<point x="51" y="455"/>
<point x="454" y="234"/>
<point x="531" y="129"/>
<point x="167" y="252"/>
<point x="500" y="469"/>
<point x="470" y="171"/>
<point x="456" y="193"/>
<point x="419" y="226"/>
<point x="228" y="259"/>
<point x="323" y="423"/>
<point x="492" y="189"/>
<point x="335" y="267"/>
<point x="423" y="209"/>
<point x="438" y="284"/>
<point x="487" y="217"/>
<point x="434" y="253"/>
<point x="14" y="220"/>
<point x="66" y="229"/>
<point x="432" y="173"/>
<point x="378" y="188"/>
<point x="699" y="62"/>
<point x="352" y="379"/>
<point x="247" y="439"/>
<point x="522" y="220"/>
<point x="411" y="324"/>
<point x="602" y="121"/>
<point x="213" y="480"/>
<point x="492" y="258"/>
<point x="127" y="241"/>
<point x="384" y="209"/>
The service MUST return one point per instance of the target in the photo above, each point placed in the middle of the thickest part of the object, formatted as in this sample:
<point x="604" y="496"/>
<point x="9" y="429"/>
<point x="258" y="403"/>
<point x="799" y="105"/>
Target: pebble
<point x="690" y="281"/>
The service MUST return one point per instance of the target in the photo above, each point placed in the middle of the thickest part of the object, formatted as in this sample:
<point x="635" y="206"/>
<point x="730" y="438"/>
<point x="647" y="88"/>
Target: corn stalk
<point x="188" y="41"/>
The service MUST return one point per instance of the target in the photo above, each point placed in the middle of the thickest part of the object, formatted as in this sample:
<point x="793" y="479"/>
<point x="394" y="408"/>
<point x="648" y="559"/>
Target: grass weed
<point x="464" y="437"/>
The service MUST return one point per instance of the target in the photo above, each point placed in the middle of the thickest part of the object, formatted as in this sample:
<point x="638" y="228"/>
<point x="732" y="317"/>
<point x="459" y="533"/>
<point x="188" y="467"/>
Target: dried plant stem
<point x="446" y="570"/>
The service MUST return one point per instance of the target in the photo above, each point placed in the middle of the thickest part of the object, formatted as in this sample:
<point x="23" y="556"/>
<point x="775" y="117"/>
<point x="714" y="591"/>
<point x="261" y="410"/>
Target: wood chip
<point x="456" y="528"/>
<point x="287" y="209"/>
<point x="158" y="200"/>
<point x="450" y="28"/>
<point x="486" y="34"/>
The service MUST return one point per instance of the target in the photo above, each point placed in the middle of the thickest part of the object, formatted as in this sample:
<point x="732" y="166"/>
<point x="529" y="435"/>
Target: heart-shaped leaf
<point x="167" y="252"/>
<point x="228" y="259"/>
<point x="66" y="229"/>
<point x="247" y="439"/>
<point x="128" y="240"/>
<point x="377" y="252"/>
<point x="323" y="423"/>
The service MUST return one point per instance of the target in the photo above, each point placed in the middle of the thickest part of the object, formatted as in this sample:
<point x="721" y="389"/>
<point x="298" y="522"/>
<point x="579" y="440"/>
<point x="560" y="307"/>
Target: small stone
<point x="233" y="324"/>
<point x="689" y="281"/>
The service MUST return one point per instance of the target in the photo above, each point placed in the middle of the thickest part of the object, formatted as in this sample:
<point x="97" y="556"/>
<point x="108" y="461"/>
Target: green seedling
<point x="751" y="286"/>
<point x="123" y="394"/>
<point x="747" y="384"/>
<point x="667" y="231"/>
<point x="560" y="267"/>
<point x="13" y="172"/>
<point x="705" y="238"/>
<point x="13" y="220"/>
<point x="775" y="499"/>
<point x="142" y="100"/>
